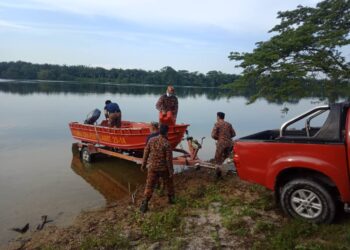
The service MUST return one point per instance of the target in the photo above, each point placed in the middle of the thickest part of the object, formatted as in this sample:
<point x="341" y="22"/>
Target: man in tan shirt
<point x="223" y="132"/>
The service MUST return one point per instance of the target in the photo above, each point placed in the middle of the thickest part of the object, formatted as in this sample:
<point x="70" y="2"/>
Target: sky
<point x="194" y="35"/>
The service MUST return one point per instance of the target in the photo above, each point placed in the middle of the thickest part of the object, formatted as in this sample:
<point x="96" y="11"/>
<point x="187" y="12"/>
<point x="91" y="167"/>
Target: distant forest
<point x="30" y="71"/>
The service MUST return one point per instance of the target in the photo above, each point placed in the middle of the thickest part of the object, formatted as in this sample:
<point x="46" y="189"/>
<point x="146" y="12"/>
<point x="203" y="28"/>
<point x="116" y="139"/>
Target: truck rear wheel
<point x="308" y="200"/>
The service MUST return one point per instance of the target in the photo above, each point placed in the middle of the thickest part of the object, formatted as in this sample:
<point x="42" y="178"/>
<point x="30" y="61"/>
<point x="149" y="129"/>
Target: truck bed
<point x="290" y="135"/>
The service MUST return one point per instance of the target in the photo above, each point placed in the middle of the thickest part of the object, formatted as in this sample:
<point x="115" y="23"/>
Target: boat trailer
<point x="184" y="158"/>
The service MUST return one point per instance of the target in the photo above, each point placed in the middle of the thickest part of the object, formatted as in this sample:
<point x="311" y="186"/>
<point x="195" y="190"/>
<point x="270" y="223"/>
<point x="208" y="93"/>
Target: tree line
<point x="164" y="76"/>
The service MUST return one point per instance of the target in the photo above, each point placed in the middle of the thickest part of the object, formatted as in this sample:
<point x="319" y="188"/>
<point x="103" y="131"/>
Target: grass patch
<point x="233" y="213"/>
<point x="176" y="244"/>
<point x="248" y="211"/>
<point x="49" y="247"/>
<point x="256" y="188"/>
<point x="161" y="225"/>
<point x="264" y="227"/>
<point x="311" y="246"/>
<point x="213" y="194"/>
<point x="233" y="202"/>
<point x="297" y="234"/>
<point x="237" y="226"/>
<point x="111" y="239"/>
<point x="264" y="202"/>
<point x="289" y="236"/>
<point x="187" y="202"/>
<point x="232" y="219"/>
<point x="200" y="197"/>
<point x="216" y="238"/>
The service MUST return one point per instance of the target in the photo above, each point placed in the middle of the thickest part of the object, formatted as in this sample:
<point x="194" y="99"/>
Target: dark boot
<point x="218" y="173"/>
<point x="171" y="199"/>
<point x="144" y="206"/>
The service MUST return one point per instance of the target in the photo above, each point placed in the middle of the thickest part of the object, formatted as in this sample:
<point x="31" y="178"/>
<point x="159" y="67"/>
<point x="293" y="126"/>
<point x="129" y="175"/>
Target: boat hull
<point x="131" y="136"/>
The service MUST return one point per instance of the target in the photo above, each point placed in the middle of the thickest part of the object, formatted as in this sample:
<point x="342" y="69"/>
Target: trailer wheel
<point x="308" y="200"/>
<point x="85" y="155"/>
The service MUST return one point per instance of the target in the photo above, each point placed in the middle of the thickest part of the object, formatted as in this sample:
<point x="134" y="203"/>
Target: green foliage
<point x="176" y="244"/>
<point x="216" y="237"/>
<point x="289" y="236"/>
<point x="203" y="196"/>
<point x="264" y="202"/>
<point x="160" y="225"/>
<point x="24" y="70"/>
<point x="236" y="225"/>
<point x="232" y="213"/>
<point x="306" y="45"/>
<point x="264" y="227"/>
<point x="111" y="239"/>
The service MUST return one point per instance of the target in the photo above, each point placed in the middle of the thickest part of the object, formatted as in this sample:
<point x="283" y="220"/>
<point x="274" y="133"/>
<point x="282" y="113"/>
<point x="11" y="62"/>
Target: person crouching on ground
<point x="158" y="153"/>
<point x="113" y="113"/>
<point x="223" y="132"/>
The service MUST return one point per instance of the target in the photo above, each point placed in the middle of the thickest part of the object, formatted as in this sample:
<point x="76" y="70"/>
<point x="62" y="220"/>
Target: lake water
<point x="39" y="174"/>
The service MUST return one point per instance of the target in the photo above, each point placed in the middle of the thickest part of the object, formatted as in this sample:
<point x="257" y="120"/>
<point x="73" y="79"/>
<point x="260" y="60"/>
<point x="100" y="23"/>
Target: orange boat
<point x="130" y="137"/>
<point x="129" y="141"/>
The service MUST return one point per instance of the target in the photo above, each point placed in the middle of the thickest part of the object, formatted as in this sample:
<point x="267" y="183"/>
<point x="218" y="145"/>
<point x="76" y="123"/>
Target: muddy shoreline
<point x="208" y="214"/>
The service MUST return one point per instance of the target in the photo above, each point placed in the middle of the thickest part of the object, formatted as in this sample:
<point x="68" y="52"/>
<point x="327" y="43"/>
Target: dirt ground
<point x="208" y="214"/>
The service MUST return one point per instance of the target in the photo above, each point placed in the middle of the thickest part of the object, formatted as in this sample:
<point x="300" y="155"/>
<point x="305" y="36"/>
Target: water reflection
<point x="50" y="88"/>
<point x="315" y="90"/>
<point x="111" y="177"/>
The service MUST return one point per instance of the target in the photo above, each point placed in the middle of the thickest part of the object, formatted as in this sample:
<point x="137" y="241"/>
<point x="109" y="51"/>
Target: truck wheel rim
<point x="306" y="203"/>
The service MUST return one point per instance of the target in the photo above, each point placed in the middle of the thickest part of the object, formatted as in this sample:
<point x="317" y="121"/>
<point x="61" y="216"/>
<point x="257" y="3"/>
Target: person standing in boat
<point x="113" y="114"/>
<point x="223" y="132"/>
<point x="158" y="155"/>
<point x="168" y="105"/>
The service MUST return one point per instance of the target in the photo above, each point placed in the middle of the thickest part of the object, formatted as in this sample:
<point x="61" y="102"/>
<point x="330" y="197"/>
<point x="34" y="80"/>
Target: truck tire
<point x="85" y="155"/>
<point x="307" y="200"/>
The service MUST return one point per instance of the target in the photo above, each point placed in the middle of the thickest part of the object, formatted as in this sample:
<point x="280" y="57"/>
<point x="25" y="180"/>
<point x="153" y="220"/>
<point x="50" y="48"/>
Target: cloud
<point x="149" y="38"/>
<point x="230" y="15"/>
<point x="11" y="25"/>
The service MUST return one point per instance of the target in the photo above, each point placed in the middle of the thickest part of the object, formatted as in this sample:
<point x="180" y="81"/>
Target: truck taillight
<point x="236" y="160"/>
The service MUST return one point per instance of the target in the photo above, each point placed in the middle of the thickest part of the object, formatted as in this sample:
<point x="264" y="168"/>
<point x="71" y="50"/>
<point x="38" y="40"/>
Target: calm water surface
<point x="39" y="174"/>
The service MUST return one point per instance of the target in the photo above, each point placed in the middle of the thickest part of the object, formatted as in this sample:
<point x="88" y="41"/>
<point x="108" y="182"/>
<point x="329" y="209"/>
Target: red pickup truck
<point x="308" y="168"/>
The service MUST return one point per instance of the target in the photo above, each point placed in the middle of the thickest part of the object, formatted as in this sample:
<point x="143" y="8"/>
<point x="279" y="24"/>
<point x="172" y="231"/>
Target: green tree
<point x="307" y="44"/>
<point x="169" y="75"/>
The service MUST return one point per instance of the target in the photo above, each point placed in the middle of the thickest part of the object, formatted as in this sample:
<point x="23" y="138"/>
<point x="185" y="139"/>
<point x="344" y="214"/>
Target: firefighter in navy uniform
<point x="159" y="156"/>
<point x="223" y="132"/>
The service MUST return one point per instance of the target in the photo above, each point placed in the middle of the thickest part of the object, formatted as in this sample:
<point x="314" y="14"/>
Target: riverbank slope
<point x="208" y="214"/>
